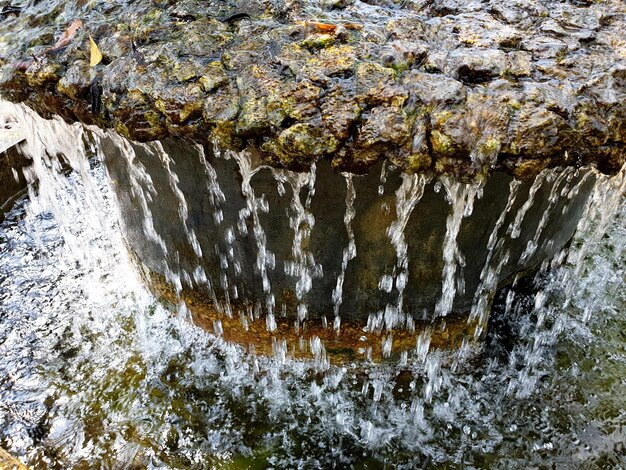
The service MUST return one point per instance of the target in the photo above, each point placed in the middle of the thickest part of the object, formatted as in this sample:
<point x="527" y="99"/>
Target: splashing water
<point x="461" y="197"/>
<point x="97" y="373"/>
<point x="254" y="206"/>
<point x="302" y="266"/>
<point x="349" y="252"/>
<point x="407" y="196"/>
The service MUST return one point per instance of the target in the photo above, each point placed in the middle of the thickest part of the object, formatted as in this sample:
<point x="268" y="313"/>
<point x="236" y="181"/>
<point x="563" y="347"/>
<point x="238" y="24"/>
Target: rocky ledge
<point x="453" y="86"/>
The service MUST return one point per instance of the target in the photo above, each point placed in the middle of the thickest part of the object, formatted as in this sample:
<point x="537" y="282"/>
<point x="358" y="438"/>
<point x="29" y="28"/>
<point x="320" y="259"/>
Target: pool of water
<point x="95" y="373"/>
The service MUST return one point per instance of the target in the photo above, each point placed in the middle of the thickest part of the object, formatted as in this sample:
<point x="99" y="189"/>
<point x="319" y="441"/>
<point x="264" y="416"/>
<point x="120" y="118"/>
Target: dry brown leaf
<point x="64" y="41"/>
<point x="68" y="34"/>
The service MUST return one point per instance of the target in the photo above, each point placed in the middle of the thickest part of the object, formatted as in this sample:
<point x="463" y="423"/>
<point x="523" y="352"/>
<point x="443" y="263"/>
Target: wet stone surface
<point x="448" y="86"/>
<point x="12" y="181"/>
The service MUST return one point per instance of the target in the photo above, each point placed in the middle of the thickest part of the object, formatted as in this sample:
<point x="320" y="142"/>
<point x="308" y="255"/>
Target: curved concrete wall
<point x="153" y="180"/>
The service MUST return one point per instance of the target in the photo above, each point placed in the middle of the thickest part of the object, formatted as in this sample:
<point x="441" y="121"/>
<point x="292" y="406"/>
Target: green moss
<point x="401" y="67"/>
<point x="39" y="76"/>
<point x="253" y="116"/>
<point x="318" y="41"/>
<point x="153" y="118"/>
<point x="439" y="118"/>
<point x="224" y="131"/>
<point x="332" y="60"/>
<point x="582" y="120"/>
<point x="489" y="146"/>
<point x="190" y="109"/>
<point x="148" y="23"/>
<point x="373" y="72"/>
<point x="275" y="111"/>
<point x="122" y="129"/>
<point x="298" y="102"/>
<point x="418" y="162"/>
<point x="441" y="143"/>
<point x="506" y="73"/>
<point x="185" y="71"/>
<point x="306" y="141"/>
<point x="214" y="77"/>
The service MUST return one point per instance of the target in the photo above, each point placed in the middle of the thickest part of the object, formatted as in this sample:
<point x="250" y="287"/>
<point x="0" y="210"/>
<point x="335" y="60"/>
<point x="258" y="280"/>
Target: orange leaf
<point x="323" y="27"/>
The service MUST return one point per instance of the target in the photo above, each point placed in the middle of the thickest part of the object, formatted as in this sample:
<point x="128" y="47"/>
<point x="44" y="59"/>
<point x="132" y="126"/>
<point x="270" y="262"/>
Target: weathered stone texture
<point x="445" y="85"/>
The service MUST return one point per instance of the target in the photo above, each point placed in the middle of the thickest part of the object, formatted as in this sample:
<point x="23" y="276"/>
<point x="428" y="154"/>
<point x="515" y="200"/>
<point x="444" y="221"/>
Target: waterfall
<point x="461" y="197"/>
<point x="183" y="210"/>
<point x="302" y="266"/>
<point x="497" y="256"/>
<point x="391" y="324"/>
<point x="254" y="206"/>
<point x="349" y="252"/>
<point x="97" y="371"/>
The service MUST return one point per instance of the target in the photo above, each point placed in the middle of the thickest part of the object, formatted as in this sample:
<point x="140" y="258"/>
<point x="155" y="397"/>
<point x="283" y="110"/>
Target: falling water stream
<point x="96" y="373"/>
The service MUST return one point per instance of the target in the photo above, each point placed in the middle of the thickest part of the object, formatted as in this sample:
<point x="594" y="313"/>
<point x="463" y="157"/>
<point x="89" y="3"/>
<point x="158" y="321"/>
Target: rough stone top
<point x="454" y="86"/>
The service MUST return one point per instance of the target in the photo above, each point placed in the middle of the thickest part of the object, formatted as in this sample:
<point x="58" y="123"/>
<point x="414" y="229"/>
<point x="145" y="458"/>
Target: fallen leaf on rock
<point x="65" y="40"/>
<point x="322" y="27"/>
<point x="329" y="28"/>
<point x="95" y="55"/>
<point x="68" y="35"/>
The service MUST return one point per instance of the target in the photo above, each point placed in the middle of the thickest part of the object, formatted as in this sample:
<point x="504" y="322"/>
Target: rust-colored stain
<point x="350" y="343"/>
